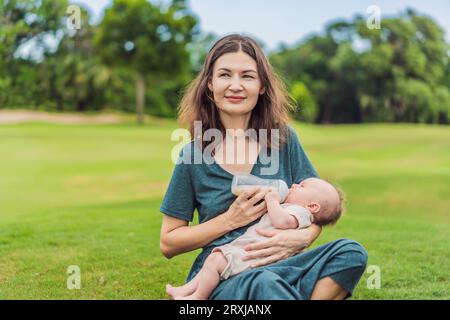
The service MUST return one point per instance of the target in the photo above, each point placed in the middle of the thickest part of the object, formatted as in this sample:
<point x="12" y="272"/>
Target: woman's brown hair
<point x="271" y="110"/>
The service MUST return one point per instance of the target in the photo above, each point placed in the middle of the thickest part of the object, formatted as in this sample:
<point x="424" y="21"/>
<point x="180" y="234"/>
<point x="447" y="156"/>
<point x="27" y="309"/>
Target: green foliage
<point x="397" y="73"/>
<point x="307" y="109"/>
<point x="152" y="44"/>
<point x="198" y="49"/>
<point x="95" y="67"/>
<point x="25" y="22"/>
<point x="145" y="52"/>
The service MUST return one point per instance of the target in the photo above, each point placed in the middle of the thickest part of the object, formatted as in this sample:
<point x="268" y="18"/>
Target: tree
<point x="199" y="48"/>
<point x="74" y="76"/>
<point x="406" y="64"/>
<point x="397" y="73"/>
<point x="25" y="23"/>
<point x="24" y="20"/>
<point x="307" y="109"/>
<point x="148" y="39"/>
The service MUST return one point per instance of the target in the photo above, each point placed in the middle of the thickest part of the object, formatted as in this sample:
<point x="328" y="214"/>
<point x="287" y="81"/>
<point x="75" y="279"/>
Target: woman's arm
<point x="178" y="237"/>
<point x="281" y="244"/>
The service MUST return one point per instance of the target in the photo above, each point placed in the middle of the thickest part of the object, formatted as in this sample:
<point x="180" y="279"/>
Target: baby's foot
<point x="190" y="297"/>
<point x="171" y="291"/>
<point x="175" y="292"/>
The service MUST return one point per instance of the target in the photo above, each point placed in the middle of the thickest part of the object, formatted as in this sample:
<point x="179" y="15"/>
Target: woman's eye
<point x="224" y="75"/>
<point x="247" y="76"/>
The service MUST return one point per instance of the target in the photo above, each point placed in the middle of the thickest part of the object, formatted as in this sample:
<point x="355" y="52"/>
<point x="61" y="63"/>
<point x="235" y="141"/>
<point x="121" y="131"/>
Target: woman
<point x="238" y="89"/>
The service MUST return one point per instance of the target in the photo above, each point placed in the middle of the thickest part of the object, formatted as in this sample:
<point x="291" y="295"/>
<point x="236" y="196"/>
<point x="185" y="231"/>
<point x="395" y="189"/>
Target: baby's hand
<point x="273" y="196"/>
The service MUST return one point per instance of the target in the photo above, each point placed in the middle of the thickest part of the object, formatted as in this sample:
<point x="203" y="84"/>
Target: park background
<point x="87" y="111"/>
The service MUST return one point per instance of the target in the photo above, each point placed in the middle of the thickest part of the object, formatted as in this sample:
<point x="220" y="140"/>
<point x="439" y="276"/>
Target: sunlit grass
<point x="89" y="195"/>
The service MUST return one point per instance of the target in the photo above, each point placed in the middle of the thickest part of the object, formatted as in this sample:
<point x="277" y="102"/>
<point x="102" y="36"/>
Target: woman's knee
<point x="353" y="251"/>
<point x="269" y="285"/>
<point x="263" y="280"/>
<point x="263" y="276"/>
<point x="255" y="284"/>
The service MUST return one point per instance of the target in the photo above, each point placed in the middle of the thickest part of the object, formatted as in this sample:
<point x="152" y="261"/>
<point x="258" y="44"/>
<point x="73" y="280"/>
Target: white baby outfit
<point x="234" y="251"/>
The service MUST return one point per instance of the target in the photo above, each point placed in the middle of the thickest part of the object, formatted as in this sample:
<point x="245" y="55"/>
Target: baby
<point x="311" y="201"/>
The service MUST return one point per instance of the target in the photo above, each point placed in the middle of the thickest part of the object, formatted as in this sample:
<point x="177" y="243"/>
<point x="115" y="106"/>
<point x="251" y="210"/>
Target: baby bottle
<point x="244" y="181"/>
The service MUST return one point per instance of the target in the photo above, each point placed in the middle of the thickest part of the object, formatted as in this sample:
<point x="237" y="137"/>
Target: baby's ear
<point x="313" y="207"/>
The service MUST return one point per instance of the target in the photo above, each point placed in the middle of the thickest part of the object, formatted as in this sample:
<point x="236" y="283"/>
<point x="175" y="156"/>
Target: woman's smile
<point x="235" y="99"/>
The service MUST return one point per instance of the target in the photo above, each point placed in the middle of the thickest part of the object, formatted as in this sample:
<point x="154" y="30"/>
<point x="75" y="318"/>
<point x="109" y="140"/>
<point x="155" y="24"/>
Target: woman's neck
<point x="235" y="122"/>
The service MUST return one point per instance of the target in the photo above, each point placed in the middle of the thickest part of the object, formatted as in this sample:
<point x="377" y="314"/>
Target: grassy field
<point x="89" y="195"/>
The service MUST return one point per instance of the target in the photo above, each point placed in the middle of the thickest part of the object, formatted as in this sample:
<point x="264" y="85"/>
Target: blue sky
<point x="289" y="21"/>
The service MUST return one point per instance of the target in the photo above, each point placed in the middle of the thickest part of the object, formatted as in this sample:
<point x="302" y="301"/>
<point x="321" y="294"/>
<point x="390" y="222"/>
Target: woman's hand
<point x="280" y="245"/>
<point x="243" y="210"/>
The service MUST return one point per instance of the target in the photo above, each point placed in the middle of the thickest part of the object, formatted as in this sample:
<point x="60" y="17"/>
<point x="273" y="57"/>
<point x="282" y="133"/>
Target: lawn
<point x="89" y="195"/>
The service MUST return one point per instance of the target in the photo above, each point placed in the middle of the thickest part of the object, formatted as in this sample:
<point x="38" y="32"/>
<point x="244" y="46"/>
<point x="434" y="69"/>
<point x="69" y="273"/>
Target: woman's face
<point x="235" y="83"/>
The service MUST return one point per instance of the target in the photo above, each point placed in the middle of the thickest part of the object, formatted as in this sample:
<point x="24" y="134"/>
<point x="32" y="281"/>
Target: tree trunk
<point x="140" y="98"/>
<point x="327" y="114"/>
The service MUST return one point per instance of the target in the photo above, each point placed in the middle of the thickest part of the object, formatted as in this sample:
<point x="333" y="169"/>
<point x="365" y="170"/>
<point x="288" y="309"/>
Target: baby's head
<point x="321" y="198"/>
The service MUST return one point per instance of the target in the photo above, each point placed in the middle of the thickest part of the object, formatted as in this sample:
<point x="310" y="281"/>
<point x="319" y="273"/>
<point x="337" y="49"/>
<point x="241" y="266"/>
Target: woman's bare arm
<point x="178" y="237"/>
<point x="280" y="244"/>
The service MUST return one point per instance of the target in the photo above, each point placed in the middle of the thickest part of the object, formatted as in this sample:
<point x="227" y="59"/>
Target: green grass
<point x="89" y="195"/>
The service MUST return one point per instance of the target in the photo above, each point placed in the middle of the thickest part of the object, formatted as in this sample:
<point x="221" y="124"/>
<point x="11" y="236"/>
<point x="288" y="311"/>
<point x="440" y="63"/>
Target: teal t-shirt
<point x="203" y="185"/>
